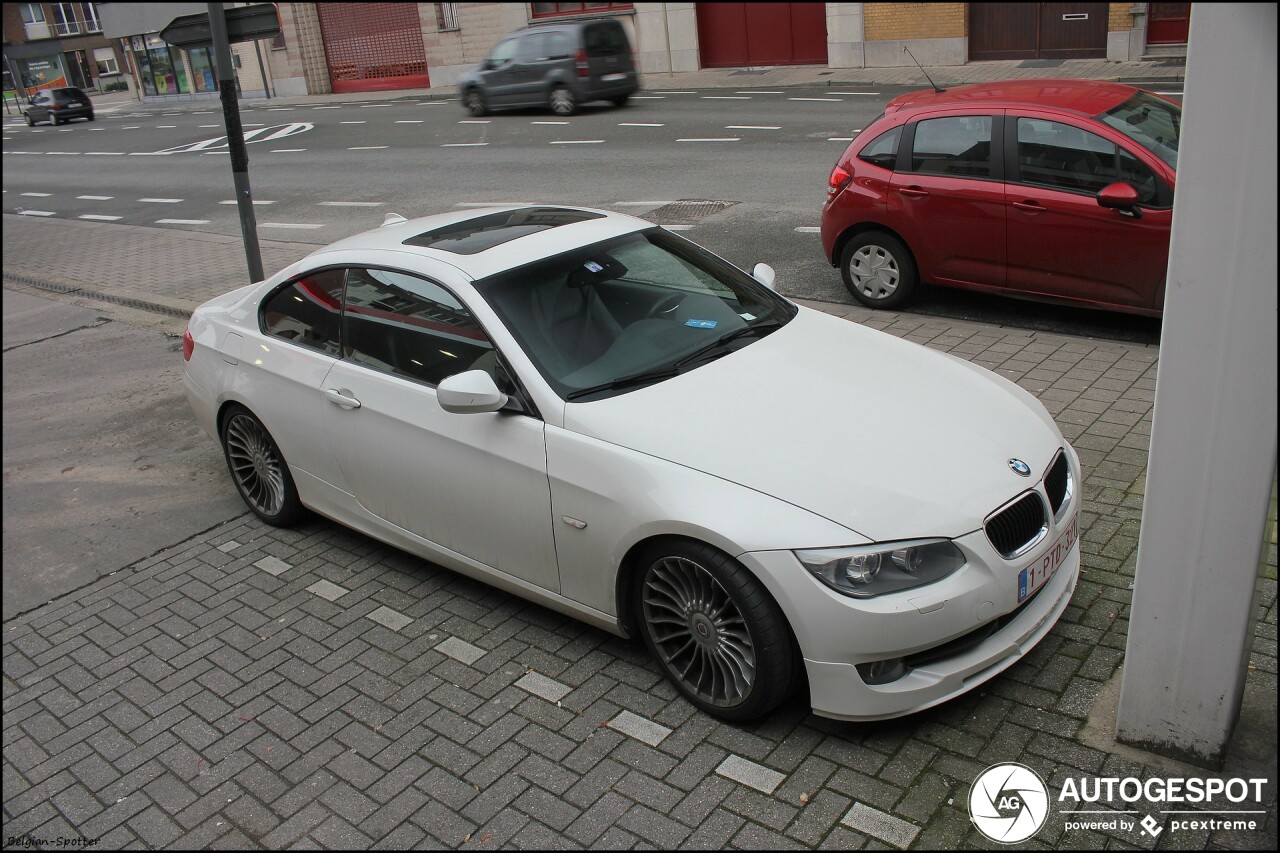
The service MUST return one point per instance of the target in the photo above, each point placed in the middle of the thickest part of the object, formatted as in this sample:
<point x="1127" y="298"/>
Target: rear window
<point x="485" y="232"/>
<point x="68" y="94"/>
<point x="605" y="39"/>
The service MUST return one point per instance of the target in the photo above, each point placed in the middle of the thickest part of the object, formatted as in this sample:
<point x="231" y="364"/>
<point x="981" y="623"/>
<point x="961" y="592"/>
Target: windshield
<point x="637" y="309"/>
<point x="1152" y="122"/>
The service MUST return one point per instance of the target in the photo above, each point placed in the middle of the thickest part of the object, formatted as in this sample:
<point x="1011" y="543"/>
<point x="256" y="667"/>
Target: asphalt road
<point x="324" y="171"/>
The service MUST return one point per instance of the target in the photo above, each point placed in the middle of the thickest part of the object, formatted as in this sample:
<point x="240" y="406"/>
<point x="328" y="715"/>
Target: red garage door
<point x="733" y="34"/>
<point x="371" y="47"/>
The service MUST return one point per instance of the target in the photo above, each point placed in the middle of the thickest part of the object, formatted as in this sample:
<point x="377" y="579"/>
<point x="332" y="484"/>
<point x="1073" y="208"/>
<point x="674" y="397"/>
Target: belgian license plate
<point x="613" y="78"/>
<point x="1038" y="573"/>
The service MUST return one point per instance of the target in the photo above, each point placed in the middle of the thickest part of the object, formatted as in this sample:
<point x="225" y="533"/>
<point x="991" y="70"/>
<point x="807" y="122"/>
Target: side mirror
<point x="764" y="274"/>
<point x="470" y="393"/>
<point x="1119" y="196"/>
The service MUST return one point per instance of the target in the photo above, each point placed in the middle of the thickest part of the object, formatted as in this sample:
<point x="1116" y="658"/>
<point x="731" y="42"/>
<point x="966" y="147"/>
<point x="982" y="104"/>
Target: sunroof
<point x="485" y="232"/>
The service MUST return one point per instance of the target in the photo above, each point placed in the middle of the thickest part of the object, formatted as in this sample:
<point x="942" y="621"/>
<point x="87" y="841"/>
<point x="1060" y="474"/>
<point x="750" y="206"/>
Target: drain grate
<point x="98" y="295"/>
<point x="687" y="210"/>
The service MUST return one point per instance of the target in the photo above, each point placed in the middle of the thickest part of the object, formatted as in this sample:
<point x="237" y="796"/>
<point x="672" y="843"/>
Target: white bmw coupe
<point x="598" y="415"/>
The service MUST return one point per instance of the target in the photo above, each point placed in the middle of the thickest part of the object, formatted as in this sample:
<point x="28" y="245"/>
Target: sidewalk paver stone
<point x="749" y="773"/>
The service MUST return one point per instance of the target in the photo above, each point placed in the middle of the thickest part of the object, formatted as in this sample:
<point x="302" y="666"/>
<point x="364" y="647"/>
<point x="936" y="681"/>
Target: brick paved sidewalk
<point x="258" y="687"/>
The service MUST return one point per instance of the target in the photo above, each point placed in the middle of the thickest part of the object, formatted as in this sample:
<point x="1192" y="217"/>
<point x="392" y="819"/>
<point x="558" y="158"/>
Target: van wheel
<point x="878" y="270"/>
<point x="475" y="103"/>
<point x="562" y="101"/>
<point x="620" y="101"/>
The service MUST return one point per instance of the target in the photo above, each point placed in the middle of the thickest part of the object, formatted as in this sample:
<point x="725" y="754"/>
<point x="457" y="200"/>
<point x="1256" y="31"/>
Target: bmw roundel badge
<point x="1020" y="468"/>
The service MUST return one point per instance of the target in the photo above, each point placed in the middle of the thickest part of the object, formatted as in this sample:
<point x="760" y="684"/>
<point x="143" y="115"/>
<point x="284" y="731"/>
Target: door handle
<point x="1030" y="206"/>
<point x="339" y="399"/>
<point x="913" y="192"/>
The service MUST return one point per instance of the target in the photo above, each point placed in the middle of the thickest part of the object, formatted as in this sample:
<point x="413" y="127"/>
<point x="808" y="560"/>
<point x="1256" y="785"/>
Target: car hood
<point x="886" y="437"/>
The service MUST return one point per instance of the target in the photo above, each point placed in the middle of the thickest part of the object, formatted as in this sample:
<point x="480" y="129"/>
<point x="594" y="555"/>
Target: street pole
<point x="235" y="140"/>
<point x="257" y="48"/>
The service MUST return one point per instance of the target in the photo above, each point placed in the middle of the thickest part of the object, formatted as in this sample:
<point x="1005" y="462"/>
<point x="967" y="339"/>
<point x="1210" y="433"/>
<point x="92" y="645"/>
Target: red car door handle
<point x="914" y="192"/>
<point x="1032" y="206"/>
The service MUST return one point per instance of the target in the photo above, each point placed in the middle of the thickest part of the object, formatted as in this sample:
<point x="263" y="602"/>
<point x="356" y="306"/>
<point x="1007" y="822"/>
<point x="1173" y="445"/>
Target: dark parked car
<point x="58" y="105"/>
<point x="1053" y="190"/>
<point x="557" y="65"/>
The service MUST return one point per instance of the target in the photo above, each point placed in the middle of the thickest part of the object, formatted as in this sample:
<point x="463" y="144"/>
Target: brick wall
<point x="889" y="21"/>
<point x="1119" y="17"/>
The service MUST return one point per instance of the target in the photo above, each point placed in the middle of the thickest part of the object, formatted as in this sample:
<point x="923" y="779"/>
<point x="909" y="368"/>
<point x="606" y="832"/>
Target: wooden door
<point x="737" y="34"/>
<point x="1003" y="30"/>
<point x="1073" y="31"/>
<point x="1037" y="31"/>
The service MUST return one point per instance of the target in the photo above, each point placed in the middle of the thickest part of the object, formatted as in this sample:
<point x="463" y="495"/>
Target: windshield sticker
<point x="592" y="266"/>
<point x="748" y="317"/>
<point x="701" y="324"/>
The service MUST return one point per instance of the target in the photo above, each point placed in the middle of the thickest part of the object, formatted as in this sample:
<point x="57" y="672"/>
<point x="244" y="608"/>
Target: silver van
<point x="559" y="65"/>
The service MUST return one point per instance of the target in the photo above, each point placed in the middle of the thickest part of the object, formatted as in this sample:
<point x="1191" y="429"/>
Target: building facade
<point x="47" y="45"/>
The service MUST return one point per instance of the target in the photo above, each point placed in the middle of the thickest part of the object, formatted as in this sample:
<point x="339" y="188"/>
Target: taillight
<point x="839" y="180"/>
<point x="581" y="59"/>
<point x="188" y="345"/>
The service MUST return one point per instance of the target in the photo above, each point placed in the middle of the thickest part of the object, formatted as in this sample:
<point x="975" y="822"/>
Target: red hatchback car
<point x="1053" y="190"/>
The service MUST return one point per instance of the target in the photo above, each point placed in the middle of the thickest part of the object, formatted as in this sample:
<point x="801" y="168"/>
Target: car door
<point x="498" y="73"/>
<point x="1062" y="243"/>
<point x="946" y="197"/>
<point x="476" y="483"/>
<point x="529" y="68"/>
<point x="39" y="107"/>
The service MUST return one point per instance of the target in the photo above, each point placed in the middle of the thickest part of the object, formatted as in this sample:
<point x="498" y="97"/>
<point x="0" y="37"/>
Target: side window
<point x="502" y="53"/>
<point x="410" y="327"/>
<point x="883" y="150"/>
<point x="533" y="47"/>
<point x="1135" y="172"/>
<point x="1065" y="157"/>
<point x="958" y="145"/>
<point x="558" y="46"/>
<point x="307" y="311"/>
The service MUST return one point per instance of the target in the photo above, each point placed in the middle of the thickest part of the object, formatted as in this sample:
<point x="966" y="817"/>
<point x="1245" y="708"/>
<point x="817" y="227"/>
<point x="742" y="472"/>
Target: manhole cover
<point x="687" y="210"/>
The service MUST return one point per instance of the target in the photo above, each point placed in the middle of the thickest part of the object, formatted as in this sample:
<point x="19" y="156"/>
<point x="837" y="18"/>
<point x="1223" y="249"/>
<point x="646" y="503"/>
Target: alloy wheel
<point x="255" y="464"/>
<point x="874" y="271"/>
<point x="562" y="103"/>
<point x="699" y="633"/>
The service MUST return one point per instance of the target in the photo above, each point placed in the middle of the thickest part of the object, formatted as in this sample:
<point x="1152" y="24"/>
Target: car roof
<point x="1087" y="97"/>
<point x="507" y="254"/>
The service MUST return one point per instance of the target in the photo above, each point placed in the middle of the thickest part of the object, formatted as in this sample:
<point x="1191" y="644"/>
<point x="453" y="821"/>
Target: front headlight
<point x="863" y="571"/>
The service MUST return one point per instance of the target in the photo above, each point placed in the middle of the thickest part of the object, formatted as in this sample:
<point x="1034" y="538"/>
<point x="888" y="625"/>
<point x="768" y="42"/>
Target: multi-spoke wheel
<point x="714" y="629"/>
<point x="259" y="470"/>
<point x="475" y="102"/>
<point x="563" y="103"/>
<point x="878" y="270"/>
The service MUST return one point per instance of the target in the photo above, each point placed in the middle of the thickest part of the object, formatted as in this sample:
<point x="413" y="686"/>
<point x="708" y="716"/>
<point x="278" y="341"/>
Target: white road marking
<point x="279" y="109"/>
<point x="253" y="124"/>
<point x="39" y="195"/>
<point x="135" y="127"/>
<point x="753" y="127"/>
<point x="37" y="213"/>
<point x="201" y="112"/>
<point x="98" y="216"/>
<point x="761" y="93"/>
<point x="70" y="153"/>
<point x="808" y="229"/>
<point x="182" y="222"/>
<point x="830" y="100"/>
<point x="839" y="138"/>
<point x="648" y="97"/>
<point x="104" y="153"/>
<point x="854" y="93"/>
<point x="169" y="126"/>
<point x="463" y="144"/>
<point x="640" y="124"/>
<point x="365" y="147"/>
<point x="576" y="141"/>
<point x="677" y="227"/>
<point x="351" y="203"/>
<point x="430" y="103"/>
<point x="66" y="130"/>
<point x="255" y="201"/>
<point x="161" y="200"/>
<point x="286" y="150"/>
<point x="710" y="139"/>
<point x="548" y="122"/>
<point x="287" y="225"/>
<point x="367" y="106"/>
<point x="96" y="129"/>
<point x="1168" y="93"/>
<point x="641" y="203"/>
<point x="96" y="197"/>
<point x="210" y="125"/>
<point x="492" y="203"/>
<point x="677" y="93"/>
<point x="409" y="121"/>
<point x="326" y="108"/>
<point x="475" y="121"/>
<point x="726" y="97"/>
<point x="351" y="122"/>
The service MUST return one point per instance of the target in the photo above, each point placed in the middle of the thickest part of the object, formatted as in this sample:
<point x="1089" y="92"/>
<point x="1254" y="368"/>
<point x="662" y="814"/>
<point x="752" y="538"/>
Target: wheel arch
<point x="860" y="228"/>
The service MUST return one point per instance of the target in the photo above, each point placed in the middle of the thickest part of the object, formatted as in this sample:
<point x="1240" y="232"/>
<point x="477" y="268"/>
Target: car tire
<point x="53" y="119"/>
<point x="91" y="116"/>
<point x="715" y="631"/>
<point x="259" y="470"/>
<point x="30" y="121"/>
<point x="620" y="101"/>
<point x="475" y="102"/>
<point x="562" y="101"/>
<point x="878" y="270"/>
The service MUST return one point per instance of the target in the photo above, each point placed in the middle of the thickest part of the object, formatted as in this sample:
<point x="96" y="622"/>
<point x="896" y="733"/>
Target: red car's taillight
<point x="188" y="345"/>
<point x="839" y="180"/>
<point x="581" y="59"/>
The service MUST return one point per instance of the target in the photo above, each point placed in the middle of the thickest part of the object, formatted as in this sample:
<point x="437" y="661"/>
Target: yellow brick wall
<point x="889" y="21"/>
<point x="482" y="25"/>
<point x="1119" y="17"/>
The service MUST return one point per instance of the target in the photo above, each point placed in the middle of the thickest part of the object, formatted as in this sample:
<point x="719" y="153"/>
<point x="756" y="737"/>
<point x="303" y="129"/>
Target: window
<point x="105" y="59"/>
<point x="64" y="19"/>
<point x="552" y="10"/>
<point x="605" y="39"/>
<point x="960" y="145"/>
<point x="447" y="17"/>
<point x="883" y="150"/>
<point x="1064" y="157"/>
<point x="91" y="22"/>
<point x="502" y="53"/>
<point x="307" y="311"/>
<point x="32" y="13"/>
<point x="408" y="326"/>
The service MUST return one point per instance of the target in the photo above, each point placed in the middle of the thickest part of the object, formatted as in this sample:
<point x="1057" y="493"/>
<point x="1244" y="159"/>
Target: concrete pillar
<point x="1213" y="437"/>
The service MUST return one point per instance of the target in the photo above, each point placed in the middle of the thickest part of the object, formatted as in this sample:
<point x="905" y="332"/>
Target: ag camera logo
<point x="1008" y="803"/>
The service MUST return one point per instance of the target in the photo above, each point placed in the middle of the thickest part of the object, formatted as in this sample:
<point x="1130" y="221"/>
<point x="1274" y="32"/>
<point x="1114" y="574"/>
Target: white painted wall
<point x="1213" y="437"/>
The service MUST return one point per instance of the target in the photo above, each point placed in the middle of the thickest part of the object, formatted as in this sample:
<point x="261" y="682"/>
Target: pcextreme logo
<point x="1009" y="803"/>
